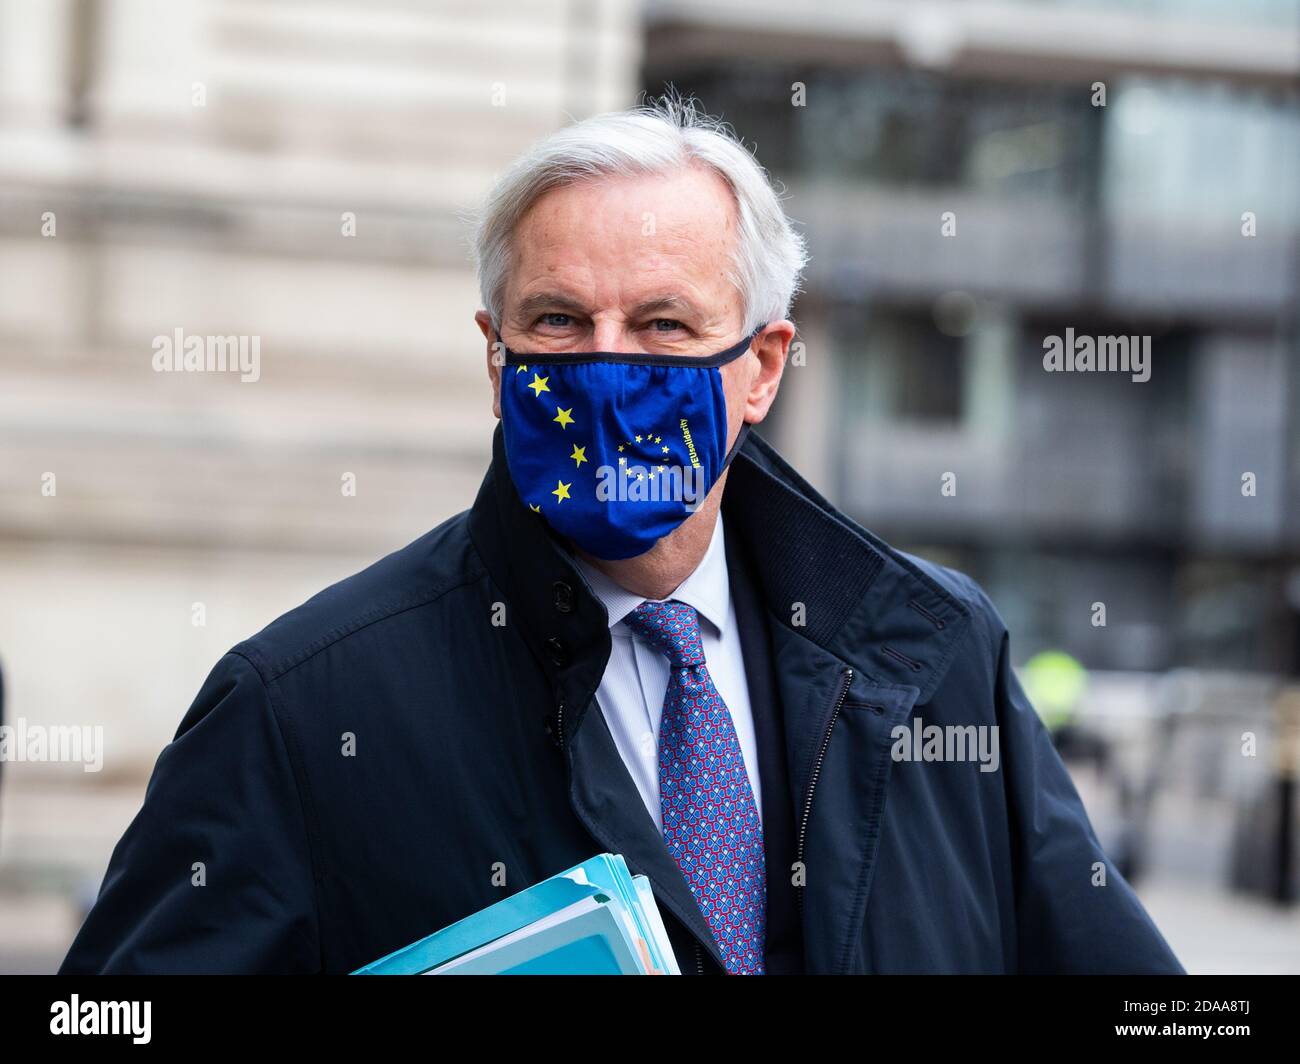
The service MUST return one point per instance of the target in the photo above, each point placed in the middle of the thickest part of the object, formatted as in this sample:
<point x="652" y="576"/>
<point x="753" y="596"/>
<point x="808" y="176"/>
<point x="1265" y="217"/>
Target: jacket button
<point x="559" y="652"/>
<point x="563" y="597"/>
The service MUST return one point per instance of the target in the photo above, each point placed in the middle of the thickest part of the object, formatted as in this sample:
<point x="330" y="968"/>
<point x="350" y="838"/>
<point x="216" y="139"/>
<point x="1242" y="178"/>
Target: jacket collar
<point x="863" y="602"/>
<point x="548" y="602"/>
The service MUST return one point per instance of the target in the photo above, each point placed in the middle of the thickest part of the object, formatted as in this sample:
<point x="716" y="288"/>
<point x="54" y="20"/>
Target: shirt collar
<point x="707" y="589"/>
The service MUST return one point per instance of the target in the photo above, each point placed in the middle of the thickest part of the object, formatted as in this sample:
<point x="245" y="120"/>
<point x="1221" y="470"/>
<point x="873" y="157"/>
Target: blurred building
<point x="203" y="166"/>
<point x="1117" y="214"/>
<point x="295" y="173"/>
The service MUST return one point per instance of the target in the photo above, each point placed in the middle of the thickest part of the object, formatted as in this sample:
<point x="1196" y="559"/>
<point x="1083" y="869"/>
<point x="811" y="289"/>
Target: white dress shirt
<point x="631" y="692"/>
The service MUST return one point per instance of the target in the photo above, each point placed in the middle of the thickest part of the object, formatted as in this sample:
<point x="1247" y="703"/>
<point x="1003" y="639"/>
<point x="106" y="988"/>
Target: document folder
<point x="593" y="919"/>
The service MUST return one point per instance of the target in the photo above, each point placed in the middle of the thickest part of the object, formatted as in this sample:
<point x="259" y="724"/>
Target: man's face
<point x="636" y="265"/>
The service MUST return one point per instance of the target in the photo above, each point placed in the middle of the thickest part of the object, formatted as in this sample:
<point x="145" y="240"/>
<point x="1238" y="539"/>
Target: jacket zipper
<point x="699" y="959"/>
<point x="816" y="773"/>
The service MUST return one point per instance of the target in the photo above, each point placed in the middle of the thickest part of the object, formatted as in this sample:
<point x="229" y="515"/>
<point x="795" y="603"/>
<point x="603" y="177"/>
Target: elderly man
<point x="648" y="636"/>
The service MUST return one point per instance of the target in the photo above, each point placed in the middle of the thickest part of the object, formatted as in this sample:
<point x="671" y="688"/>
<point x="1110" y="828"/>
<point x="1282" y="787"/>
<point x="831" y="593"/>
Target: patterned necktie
<point x="710" y="817"/>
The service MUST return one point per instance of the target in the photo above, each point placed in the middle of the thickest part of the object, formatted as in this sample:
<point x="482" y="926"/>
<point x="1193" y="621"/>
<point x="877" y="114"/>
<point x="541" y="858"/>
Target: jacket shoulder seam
<point x="271" y="673"/>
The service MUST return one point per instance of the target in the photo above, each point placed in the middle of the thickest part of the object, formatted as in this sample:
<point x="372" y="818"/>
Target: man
<point x="648" y="636"/>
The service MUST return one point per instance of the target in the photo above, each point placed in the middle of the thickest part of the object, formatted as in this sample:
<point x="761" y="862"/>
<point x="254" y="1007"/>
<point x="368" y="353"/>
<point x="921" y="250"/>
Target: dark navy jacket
<point x="459" y="673"/>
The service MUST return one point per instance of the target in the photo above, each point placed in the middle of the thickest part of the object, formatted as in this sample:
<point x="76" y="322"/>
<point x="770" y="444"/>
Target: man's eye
<point x="557" y="320"/>
<point x="666" y="324"/>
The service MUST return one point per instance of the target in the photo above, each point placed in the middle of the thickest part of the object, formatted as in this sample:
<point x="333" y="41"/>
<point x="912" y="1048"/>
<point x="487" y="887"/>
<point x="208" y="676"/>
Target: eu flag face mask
<point x="616" y="450"/>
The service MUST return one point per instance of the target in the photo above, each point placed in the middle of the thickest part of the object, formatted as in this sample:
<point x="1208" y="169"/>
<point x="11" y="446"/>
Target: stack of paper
<point x="594" y="919"/>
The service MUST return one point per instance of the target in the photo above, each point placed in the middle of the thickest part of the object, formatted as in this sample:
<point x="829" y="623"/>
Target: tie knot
<point x="672" y="628"/>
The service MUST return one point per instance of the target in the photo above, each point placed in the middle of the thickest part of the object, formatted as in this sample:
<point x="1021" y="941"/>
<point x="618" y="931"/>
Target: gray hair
<point x="659" y="136"/>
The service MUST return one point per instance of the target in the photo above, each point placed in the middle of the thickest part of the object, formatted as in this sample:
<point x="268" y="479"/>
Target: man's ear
<point x="495" y="357"/>
<point x="771" y="346"/>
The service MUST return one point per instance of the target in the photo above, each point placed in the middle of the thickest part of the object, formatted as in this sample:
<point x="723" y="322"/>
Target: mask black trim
<point x="517" y="358"/>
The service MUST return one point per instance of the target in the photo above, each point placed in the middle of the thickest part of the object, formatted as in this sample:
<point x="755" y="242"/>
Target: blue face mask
<point x="616" y="450"/>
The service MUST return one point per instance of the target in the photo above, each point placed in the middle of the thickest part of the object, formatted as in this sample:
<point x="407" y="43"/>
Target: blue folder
<point x="594" y="918"/>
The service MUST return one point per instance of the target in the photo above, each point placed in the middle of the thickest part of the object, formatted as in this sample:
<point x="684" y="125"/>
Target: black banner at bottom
<point x="354" y="1014"/>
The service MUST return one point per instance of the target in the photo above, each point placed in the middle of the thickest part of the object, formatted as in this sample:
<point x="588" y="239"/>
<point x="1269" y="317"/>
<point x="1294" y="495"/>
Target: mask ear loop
<point x="744" y="425"/>
<point x="735" y="447"/>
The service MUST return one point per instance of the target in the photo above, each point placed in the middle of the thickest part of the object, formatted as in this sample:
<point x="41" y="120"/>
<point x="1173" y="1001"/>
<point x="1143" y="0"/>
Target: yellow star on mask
<point x="561" y="491"/>
<point x="564" y="417"/>
<point x="538" y="384"/>
<point x="524" y="369"/>
<point x="535" y="509"/>
<point x="579" y="455"/>
<point x="638" y="439"/>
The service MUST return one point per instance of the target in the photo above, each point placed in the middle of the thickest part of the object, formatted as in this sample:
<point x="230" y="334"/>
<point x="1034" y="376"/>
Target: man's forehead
<point x="652" y="245"/>
<point x="694" y="195"/>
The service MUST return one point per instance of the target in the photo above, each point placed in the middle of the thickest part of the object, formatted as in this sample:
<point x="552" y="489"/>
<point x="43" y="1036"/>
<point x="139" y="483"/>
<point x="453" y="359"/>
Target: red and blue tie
<point x="710" y="818"/>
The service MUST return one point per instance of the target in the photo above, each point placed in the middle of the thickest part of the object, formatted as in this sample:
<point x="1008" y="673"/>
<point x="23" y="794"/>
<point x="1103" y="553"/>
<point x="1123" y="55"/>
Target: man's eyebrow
<point x="669" y="302"/>
<point x="555" y="301"/>
<point x="551" y="301"/>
